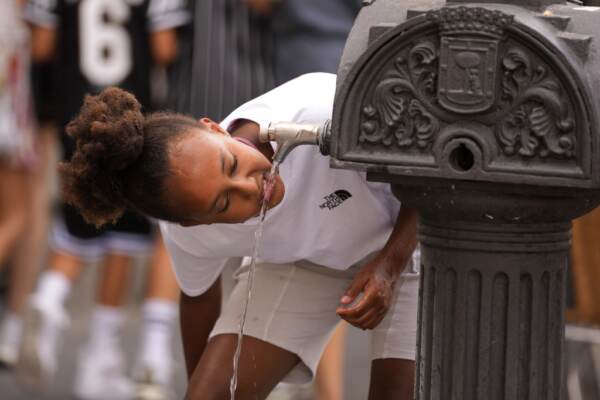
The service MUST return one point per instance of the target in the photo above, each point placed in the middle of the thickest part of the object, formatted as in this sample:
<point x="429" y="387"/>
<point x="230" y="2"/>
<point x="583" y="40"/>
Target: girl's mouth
<point x="267" y="187"/>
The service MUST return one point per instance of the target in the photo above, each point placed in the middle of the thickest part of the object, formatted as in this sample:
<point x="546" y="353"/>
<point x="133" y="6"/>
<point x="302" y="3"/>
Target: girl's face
<point x="217" y="179"/>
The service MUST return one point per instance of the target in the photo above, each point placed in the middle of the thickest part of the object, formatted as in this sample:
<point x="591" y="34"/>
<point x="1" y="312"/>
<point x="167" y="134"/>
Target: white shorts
<point x="293" y="307"/>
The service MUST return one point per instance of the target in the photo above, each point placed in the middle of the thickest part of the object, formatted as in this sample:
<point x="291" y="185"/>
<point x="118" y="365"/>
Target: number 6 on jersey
<point x="104" y="45"/>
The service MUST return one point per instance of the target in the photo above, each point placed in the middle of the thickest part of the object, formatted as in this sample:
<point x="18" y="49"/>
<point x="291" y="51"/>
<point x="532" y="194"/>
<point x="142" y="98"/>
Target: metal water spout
<point x="290" y="135"/>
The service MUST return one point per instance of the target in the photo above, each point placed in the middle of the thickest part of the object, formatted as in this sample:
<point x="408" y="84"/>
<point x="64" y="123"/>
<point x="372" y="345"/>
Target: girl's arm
<point x="376" y="280"/>
<point x="197" y="318"/>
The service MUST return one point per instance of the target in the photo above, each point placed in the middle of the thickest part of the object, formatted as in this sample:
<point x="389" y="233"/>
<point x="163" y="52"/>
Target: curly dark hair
<point x="121" y="158"/>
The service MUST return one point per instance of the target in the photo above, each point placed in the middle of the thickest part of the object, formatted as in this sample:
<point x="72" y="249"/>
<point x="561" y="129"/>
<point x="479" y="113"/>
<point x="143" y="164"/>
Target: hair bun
<point x="109" y="137"/>
<point x="109" y="130"/>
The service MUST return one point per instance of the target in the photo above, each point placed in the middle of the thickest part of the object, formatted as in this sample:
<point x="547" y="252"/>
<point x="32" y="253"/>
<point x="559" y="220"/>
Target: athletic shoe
<point x="101" y="376"/>
<point x="8" y="356"/>
<point x="38" y="360"/>
<point x="11" y="332"/>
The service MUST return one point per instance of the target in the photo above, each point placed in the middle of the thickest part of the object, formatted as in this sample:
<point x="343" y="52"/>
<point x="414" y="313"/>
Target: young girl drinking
<point x="334" y="245"/>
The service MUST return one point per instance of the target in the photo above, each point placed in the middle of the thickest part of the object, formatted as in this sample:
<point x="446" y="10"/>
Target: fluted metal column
<point x="491" y="311"/>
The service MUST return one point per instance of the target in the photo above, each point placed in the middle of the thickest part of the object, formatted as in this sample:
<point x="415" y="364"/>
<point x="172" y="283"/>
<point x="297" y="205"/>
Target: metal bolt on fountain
<point x="484" y="116"/>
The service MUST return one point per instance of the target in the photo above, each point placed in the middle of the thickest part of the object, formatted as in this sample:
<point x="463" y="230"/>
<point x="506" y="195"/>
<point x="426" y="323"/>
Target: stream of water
<point x="268" y="185"/>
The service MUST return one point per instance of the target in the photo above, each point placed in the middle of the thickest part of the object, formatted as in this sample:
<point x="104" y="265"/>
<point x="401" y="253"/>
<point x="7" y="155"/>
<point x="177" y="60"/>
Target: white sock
<point x="53" y="287"/>
<point x="159" y="317"/>
<point x="11" y="330"/>
<point x="105" y="325"/>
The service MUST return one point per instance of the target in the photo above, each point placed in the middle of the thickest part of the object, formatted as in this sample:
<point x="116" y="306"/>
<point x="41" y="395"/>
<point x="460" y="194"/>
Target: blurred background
<point x="92" y="314"/>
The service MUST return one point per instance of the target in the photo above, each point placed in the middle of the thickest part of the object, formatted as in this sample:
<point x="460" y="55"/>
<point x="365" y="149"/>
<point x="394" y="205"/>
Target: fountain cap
<point x="492" y="93"/>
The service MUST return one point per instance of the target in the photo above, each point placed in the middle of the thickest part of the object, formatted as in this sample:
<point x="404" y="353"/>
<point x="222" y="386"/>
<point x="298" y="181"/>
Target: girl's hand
<point x="376" y="283"/>
<point x="376" y="280"/>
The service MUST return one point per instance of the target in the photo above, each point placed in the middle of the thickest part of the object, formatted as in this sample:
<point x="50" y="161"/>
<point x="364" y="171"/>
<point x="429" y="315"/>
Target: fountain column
<point x="485" y="117"/>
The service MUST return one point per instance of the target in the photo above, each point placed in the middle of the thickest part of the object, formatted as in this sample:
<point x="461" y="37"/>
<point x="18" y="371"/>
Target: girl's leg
<point x="392" y="379"/>
<point x="262" y="365"/>
<point x="291" y="317"/>
<point x="329" y="381"/>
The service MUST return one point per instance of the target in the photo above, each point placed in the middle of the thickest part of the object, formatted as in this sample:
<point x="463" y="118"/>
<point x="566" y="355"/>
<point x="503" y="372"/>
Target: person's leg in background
<point x="24" y="192"/>
<point x="73" y="243"/>
<point x="46" y="320"/>
<point x="101" y="362"/>
<point x="14" y="204"/>
<point x="154" y="365"/>
<point x="30" y="248"/>
<point x="14" y="207"/>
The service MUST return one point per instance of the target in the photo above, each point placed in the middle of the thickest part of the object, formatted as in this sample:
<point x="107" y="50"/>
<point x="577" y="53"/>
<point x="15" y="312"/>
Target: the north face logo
<point x="335" y="199"/>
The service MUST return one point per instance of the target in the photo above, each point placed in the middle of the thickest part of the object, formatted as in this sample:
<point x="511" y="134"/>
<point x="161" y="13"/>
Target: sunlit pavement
<point x="356" y="362"/>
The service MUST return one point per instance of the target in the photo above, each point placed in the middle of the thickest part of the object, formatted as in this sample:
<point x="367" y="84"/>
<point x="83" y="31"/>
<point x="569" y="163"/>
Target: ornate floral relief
<point x="471" y="66"/>
<point x="538" y="122"/>
<point x="395" y="114"/>
<point x="422" y="66"/>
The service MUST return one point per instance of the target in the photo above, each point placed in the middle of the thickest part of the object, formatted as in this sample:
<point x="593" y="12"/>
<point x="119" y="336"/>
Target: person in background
<point x="20" y="169"/>
<point x="309" y="36"/>
<point x="99" y="43"/>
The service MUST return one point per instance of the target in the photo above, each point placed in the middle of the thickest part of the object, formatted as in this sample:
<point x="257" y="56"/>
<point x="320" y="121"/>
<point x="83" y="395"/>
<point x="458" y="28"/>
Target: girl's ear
<point x="213" y="126"/>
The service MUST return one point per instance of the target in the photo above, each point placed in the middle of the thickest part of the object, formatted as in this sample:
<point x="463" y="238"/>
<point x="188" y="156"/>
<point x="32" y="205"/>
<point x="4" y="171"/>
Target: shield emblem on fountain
<point x="467" y="78"/>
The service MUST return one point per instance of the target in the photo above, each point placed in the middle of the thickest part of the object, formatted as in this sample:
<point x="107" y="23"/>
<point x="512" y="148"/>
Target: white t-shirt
<point x="330" y="217"/>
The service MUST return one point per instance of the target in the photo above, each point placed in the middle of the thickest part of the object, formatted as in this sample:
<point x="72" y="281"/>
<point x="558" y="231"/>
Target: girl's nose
<point x="247" y="186"/>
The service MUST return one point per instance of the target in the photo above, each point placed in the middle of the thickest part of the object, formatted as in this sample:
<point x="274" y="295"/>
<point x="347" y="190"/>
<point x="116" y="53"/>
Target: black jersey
<point x="103" y="43"/>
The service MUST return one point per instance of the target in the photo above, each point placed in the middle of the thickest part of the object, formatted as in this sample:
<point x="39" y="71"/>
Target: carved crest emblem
<point x="468" y="57"/>
<point x="467" y="74"/>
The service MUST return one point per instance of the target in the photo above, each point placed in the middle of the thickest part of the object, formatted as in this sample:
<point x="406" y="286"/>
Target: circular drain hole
<point x="461" y="158"/>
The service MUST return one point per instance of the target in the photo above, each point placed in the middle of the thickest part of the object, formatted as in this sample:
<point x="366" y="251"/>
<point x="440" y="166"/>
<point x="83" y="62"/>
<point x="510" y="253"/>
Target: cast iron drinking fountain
<point x="483" y="116"/>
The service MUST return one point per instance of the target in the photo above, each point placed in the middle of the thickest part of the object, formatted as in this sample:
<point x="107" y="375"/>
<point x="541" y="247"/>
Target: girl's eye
<point x="234" y="165"/>
<point x="226" y="205"/>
